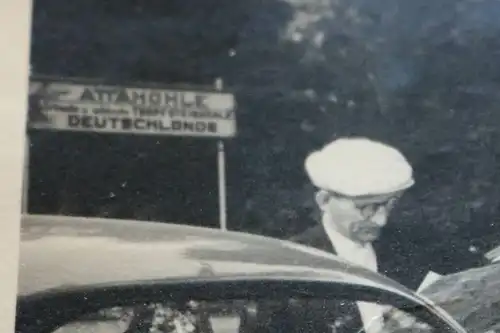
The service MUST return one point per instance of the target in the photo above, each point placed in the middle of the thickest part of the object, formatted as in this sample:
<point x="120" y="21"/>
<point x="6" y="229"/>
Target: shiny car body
<point x="66" y="257"/>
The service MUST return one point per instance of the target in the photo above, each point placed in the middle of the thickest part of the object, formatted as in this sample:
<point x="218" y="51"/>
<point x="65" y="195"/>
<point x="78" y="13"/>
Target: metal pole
<point x="221" y="167"/>
<point x="26" y="174"/>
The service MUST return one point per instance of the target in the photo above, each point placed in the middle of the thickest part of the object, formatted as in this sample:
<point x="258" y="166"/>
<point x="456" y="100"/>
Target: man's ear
<point x="322" y="198"/>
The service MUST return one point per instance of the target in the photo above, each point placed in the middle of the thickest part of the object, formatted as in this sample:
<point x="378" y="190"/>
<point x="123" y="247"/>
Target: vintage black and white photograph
<point x="247" y="166"/>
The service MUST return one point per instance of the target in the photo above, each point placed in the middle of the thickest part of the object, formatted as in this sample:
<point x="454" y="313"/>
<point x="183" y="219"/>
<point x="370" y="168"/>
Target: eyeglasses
<point x="370" y="208"/>
<point x="370" y="205"/>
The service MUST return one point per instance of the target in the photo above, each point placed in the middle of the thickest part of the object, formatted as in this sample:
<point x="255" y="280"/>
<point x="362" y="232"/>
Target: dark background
<point x="421" y="75"/>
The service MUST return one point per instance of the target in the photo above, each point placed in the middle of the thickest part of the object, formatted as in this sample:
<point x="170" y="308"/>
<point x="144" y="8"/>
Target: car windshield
<point x="311" y="316"/>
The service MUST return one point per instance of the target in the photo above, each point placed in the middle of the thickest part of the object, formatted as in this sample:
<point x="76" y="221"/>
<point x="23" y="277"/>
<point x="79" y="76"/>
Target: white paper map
<point x="429" y="279"/>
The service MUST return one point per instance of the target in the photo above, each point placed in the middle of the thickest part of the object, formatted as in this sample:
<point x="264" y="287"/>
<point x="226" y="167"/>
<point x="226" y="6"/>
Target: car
<point x="72" y="268"/>
<point x="470" y="296"/>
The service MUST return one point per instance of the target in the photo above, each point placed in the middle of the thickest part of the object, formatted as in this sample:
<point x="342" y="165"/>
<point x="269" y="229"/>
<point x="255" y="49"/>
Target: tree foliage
<point x="421" y="75"/>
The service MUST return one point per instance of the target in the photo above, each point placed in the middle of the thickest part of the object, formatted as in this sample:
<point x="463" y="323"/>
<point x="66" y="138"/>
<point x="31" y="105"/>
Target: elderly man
<point x="359" y="181"/>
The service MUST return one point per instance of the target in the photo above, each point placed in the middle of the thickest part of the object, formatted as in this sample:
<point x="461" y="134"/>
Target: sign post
<point x="80" y="105"/>
<point x="221" y="172"/>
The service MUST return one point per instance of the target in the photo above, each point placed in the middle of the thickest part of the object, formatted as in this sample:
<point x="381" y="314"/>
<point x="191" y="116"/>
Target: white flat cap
<point x="359" y="167"/>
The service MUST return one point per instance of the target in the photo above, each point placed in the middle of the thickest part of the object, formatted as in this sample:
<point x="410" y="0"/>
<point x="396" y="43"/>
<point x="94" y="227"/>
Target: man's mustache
<point x="365" y="226"/>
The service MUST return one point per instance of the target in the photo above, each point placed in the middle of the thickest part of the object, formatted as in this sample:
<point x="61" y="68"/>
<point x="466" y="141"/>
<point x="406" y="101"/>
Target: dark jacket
<point x="398" y="256"/>
<point x="315" y="316"/>
<point x="346" y="313"/>
<point x="405" y="256"/>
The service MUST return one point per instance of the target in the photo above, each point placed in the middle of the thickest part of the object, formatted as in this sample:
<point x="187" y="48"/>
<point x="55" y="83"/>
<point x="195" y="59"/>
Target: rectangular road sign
<point x="73" y="106"/>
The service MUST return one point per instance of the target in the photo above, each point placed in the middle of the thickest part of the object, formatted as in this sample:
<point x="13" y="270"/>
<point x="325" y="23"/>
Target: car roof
<point x="63" y="252"/>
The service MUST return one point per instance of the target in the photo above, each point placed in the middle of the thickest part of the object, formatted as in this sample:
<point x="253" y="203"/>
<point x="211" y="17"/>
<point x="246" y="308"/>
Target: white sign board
<point x="112" y="109"/>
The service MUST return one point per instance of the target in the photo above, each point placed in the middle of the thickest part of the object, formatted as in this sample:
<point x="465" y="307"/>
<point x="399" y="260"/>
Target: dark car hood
<point x="61" y="251"/>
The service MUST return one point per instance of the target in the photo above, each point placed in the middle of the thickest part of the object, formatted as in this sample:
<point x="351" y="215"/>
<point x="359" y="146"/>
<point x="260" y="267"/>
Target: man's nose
<point x="379" y="216"/>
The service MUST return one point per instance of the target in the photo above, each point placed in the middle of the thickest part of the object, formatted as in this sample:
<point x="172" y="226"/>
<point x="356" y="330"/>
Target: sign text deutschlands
<point x="78" y="107"/>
